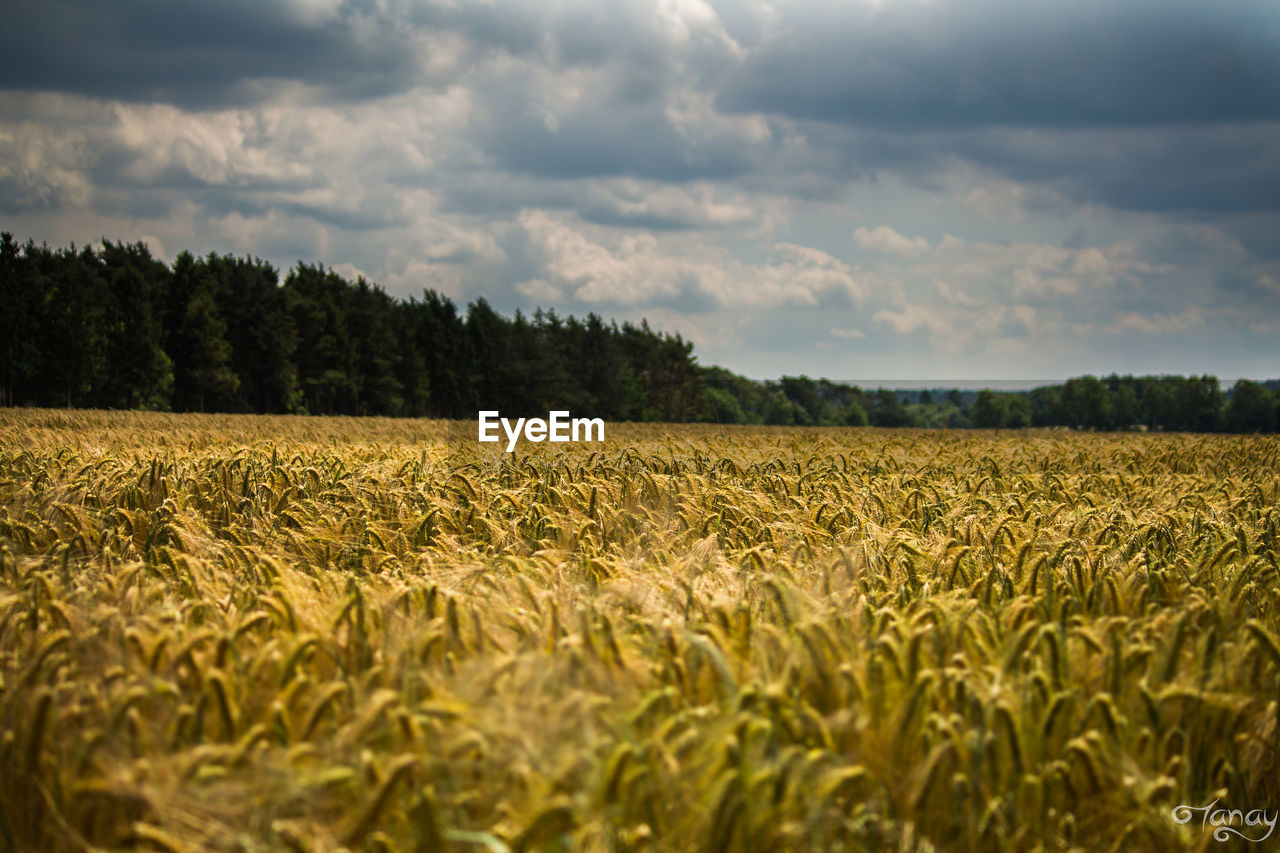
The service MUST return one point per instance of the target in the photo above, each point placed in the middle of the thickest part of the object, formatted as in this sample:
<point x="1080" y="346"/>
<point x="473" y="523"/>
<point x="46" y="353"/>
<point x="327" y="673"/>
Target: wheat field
<point x="240" y="633"/>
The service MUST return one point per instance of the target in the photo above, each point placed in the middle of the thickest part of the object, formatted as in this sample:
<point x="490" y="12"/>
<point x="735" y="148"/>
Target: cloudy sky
<point x="889" y="189"/>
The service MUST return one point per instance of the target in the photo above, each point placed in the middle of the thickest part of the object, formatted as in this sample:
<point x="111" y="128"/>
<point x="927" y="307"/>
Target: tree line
<point x="115" y="327"/>
<point x="1186" y="403"/>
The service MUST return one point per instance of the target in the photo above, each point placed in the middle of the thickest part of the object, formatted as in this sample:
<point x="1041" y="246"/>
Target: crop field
<point x="241" y="633"/>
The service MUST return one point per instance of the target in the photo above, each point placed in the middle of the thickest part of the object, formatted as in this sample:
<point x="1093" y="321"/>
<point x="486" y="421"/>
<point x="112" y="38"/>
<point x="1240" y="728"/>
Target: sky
<point x="887" y="189"/>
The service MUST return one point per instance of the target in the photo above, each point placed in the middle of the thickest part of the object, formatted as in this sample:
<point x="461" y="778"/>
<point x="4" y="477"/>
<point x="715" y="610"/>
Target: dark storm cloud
<point x="219" y="201"/>
<point x="562" y="34"/>
<point x="1198" y="169"/>
<point x="201" y="55"/>
<point x="639" y="143"/>
<point x="198" y="54"/>
<point x="1167" y="107"/>
<point x="516" y="28"/>
<point x="596" y="95"/>
<point x="1088" y="64"/>
<point x="606" y="215"/>
<point x="488" y="196"/>
<point x="1108" y="170"/>
<point x="114" y="169"/>
<point x="1186" y="96"/>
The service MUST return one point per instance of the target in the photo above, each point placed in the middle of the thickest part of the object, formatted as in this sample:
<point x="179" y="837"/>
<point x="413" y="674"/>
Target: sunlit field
<point x="253" y="633"/>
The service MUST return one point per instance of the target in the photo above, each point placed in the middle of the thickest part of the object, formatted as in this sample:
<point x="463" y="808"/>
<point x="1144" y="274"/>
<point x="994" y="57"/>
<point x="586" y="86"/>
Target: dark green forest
<point x="115" y="327"/>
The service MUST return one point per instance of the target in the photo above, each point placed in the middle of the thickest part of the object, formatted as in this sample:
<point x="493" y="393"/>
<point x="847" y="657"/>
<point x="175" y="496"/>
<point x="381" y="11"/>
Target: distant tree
<point x="259" y="314"/>
<point x="675" y="372"/>
<point x="211" y="379"/>
<point x="1124" y="406"/>
<point x="1199" y="403"/>
<point x="71" y="335"/>
<point x="117" y="327"/>
<point x="1158" y="402"/>
<point x="778" y="410"/>
<point x="487" y="339"/>
<point x="19" y="322"/>
<point x="854" y="415"/>
<point x="953" y="418"/>
<point x="750" y="396"/>
<point x="378" y="344"/>
<point x="988" y="410"/>
<point x="1017" y="411"/>
<point x="438" y="334"/>
<point x="1086" y="402"/>
<point x="141" y="373"/>
<point x="1252" y="408"/>
<point x="602" y="371"/>
<point x="195" y="340"/>
<point x="722" y="407"/>
<point x="889" y="411"/>
<point x="1045" y="403"/>
<point x="327" y="356"/>
<point x="805" y="394"/>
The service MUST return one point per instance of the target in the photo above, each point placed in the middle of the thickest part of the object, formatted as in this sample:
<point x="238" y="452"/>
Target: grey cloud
<point x="652" y="221"/>
<point x="1257" y="231"/>
<point x="1076" y="97"/>
<point x="741" y="21"/>
<point x="689" y="168"/>
<point x="1077" y="239"/>
<point x="112" y="170"/>
<point x="554" y="35"/>
<point x="1168" y="107"/>
<point x="586" y="148"/>
<point x="1165" y="107"/>
<point x="607" y="140"/>
<point x="516" y="28"/>
<point x="220" y="202"/>
<point x="1005" y="63"/>
<point x="1208" y="169"/>
<point x="199" y="55"/>
<point x="597" y="201"/>
<point x="1205" y="168"/>
<point x="343" y="216"/>
<point x="202" y="55"/>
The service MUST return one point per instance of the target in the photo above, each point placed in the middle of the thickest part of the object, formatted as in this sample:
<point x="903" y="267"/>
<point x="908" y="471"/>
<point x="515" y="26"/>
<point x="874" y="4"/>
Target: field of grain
<point x="253" y="633"/>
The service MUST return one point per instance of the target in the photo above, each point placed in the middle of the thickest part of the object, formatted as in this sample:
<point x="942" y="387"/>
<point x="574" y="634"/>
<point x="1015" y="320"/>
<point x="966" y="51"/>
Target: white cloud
<point x="640" y="270"/>
<point x="1160" y="323"/>
<point x="537" y="289"/>
<point x="351" y="272"/>
<point x="446" y="242"/>
<point x="419" y="275"/>
<point x="913" y="318"/>
<point x="314" y="12"/>
<point x="997" y="199"/>
<point x="695" y="205"/>
<point x="954" y="297"/>
<point x="882" y="238"/>
<point x="679" y="206"/>
<point x="978" y="273"/>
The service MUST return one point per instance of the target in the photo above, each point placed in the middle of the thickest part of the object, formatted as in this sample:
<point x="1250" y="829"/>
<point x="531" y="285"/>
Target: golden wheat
<point x="255" y="633"/>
